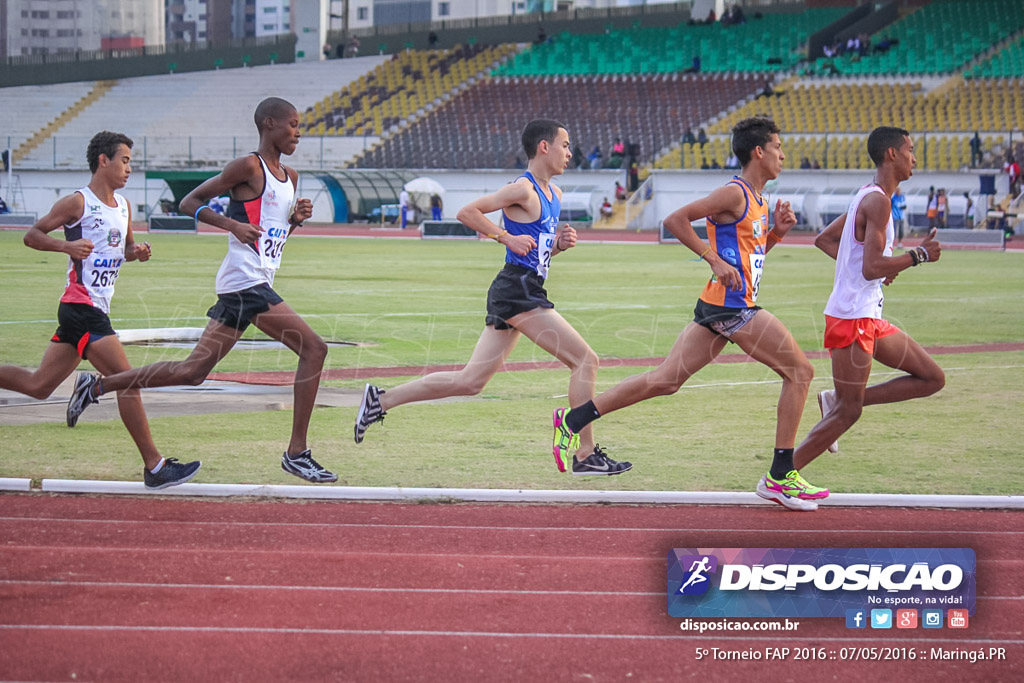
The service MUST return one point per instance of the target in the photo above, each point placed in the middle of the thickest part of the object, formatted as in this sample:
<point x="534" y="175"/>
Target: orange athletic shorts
<point x="840" y="332"/>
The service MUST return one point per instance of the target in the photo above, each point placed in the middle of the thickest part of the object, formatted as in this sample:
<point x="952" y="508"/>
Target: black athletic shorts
<point x="80" y="325"/>
<point x="237" y="309"/>
<point x="515" y="290"/>
<point x="723" y="320"/>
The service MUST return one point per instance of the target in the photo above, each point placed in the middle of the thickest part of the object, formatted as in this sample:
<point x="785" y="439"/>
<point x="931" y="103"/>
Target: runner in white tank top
<point x="98" y="240"/>
<point x="856" y="334"/>
<point x="262" y="213"/>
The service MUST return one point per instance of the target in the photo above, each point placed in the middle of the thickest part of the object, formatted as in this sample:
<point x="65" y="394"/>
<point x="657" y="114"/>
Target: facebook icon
<point x="856" y="618"/>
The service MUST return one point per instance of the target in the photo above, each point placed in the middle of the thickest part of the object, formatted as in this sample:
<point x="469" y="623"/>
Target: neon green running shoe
<point x="796" y="486"/>
<point x="566" y="442"/>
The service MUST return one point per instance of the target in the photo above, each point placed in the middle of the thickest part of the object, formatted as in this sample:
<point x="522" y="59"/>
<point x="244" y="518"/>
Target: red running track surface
<point x="129" y="589"/>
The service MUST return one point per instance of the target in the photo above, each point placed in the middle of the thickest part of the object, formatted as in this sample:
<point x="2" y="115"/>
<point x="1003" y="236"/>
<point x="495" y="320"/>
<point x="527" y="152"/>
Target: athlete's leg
<point x="59" y="361"/>
<point x="217" y="339"/>
<point x="491" y="351"/>
<point x="553" y="333"/>
<point x="107" y="356"/>
<point x="696" y="347"/>
<point x="851" y="366"/>
<point x="765" y="339"/>
<point x="901" y="352"/>
<point x="282" y="323"/>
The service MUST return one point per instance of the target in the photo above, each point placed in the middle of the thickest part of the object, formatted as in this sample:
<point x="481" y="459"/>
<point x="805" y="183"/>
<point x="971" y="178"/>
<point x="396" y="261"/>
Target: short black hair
<point x="750" y="133"/>
<point x="882" y="139"/>
<point x="537" y="130"/>
<point x="105" y="143"/>
<point x="273" y="108"/>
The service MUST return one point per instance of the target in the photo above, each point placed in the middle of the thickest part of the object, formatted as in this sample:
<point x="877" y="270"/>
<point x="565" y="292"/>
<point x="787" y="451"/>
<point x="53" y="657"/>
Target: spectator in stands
<point x="702" y="138"/>
<point x="899" y="209"/>
<point x="815" y="164"/>
<point x="595" y="157"/>
<point x="976" y="150"/>
<point x="542" y="35"/>
<point x="606" y="209"/>
<point x="619" y="147"/>
<point x="694" y="66"/>
<point x="805" y="163"/>
<point x="579" y="159"/>
<point x="435" y="207"/>
<point x="339" y="49"/>
<point x="704" y="165"/>
<point x="634" y="176"/>
<point x="4" y="208"/>
<point x="932" y="208"/>
<point x="403" y="206"/>
<point x="353" y="47"/>
<point x="519" y="163"/>
<point x="732" y="162"/>
<point x="968" y="211"/>
<point x="688" y="137"/>
<point x="432" y="40"/>
<point x="712" y="17"/>
<point x="327" y="50"/>
<point x="620" y="192"/>
<point x="942" y="205"/>
<point x="1012" y="169"/>
<point x="714" y="163"/>
<point x="767" y="91"/>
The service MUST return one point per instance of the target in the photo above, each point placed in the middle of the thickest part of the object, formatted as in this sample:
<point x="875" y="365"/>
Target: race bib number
<point x="271" y="245"/>
<point x="545" y="243"/>
<point x="756" y="266"/>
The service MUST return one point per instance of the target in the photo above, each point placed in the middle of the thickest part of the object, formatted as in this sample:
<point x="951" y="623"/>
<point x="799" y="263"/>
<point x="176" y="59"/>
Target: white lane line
<point x="474" y="527"/>
<point x="755" y="635"/>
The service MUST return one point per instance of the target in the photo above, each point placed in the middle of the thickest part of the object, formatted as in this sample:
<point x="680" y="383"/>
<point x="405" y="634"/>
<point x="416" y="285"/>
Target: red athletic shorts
<point x="840" y="332"/>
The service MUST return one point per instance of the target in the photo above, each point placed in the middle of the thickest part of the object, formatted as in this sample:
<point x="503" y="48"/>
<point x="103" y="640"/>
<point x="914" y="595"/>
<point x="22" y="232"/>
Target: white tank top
<point x="248" y="265"/>
<point x="852" y="295"/>
<point x="91" y="280"/>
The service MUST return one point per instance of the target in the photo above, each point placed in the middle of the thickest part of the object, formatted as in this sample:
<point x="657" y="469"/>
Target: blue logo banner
<point x="817" y="582"/>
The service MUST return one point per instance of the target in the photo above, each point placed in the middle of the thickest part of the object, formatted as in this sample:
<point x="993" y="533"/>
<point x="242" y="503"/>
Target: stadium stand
<point x="35" y="104"/>
<point x="480" y="127"/>
<point x="1006" y="63"/>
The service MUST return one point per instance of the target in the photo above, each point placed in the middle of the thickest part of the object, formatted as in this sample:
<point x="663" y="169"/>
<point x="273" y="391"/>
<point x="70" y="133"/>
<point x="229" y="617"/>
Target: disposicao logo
<point x="817" y="582"/>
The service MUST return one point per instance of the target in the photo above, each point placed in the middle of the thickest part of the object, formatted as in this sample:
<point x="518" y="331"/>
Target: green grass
<point x="418" y="303"/>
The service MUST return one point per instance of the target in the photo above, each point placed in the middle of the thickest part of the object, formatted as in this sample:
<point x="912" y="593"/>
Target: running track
<point x="129" y="589"/>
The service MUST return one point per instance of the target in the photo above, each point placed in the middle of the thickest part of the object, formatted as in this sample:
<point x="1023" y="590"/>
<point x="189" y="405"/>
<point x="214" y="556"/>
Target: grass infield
<point x="421" y="303"/>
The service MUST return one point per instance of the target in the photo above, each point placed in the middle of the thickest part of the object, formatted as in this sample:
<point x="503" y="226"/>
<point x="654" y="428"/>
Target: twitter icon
<point x="881" y="618"/>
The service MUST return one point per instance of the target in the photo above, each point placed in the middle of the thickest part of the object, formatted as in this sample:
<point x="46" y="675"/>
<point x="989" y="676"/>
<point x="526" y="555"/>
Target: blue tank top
<point x="542" y="230"/>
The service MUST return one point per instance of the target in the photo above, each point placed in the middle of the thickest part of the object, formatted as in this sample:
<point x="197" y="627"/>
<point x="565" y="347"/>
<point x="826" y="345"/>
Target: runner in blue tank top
<point x="517" y="302"/>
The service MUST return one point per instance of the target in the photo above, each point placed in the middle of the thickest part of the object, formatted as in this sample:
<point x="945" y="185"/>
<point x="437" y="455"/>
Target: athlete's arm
<point x="133" y="251"/>
<point x="828" y="239"/>
<point x="565" y="238"/>
<point x="785" y="219"/>
<point x="236" y="174"/>
<point x="303" y="207"/>
<point x="473" y="215"/>
<point x="724" y="205"/>
<point x="66" y="211"/>
<point x="874" y="212"/>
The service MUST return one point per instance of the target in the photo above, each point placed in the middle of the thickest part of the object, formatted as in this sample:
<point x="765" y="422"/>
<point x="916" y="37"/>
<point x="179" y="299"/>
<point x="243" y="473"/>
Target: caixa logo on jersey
<point x="816" y="582"/>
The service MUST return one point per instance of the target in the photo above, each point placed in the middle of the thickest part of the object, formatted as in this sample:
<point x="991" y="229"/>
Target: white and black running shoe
<point x="305" y="467"/>
<point x="369" y="411"/>
<point x="171" y="474"/>
<point x="598" y="462"/>
<point x="81" y="397"/>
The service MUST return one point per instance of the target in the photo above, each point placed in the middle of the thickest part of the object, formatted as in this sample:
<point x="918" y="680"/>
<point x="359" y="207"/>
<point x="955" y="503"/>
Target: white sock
<point x="158" y="467"/>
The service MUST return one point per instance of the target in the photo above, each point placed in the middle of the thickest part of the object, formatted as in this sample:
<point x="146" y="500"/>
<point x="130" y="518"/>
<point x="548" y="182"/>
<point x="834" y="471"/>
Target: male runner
<point x="260" y="218"/>
<point x="517" y="302"/>
<point x="98" y="240"/>
<point x="737" y="220"/>
<point x="855" y="333"/>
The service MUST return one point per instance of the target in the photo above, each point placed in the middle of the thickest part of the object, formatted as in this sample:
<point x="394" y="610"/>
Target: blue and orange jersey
<point x="741" y="245"/>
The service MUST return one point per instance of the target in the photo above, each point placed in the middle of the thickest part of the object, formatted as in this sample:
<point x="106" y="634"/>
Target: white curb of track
<point x="9" y="484"/>
<point x="516" y="495"/>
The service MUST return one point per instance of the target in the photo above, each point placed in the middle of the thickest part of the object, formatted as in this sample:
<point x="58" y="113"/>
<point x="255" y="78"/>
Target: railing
<point x="144" y="51"/>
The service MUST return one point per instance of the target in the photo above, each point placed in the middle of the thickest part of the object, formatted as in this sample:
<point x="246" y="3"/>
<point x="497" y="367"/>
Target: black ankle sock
<point x="582" y="416"/>
<point x="782" y="463"/>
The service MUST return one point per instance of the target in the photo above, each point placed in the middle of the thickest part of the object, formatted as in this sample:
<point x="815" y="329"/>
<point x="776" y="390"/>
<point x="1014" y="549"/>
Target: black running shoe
<point x="82" y="396"/>
<point x="599" y="463"/>
<point x="171" y="474"/>
<point x="369" y="411"/>
<point x="305" y="467"/>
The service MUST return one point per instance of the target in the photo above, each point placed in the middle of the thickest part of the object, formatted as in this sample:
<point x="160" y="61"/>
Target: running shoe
<point x="827" y="403"/>
<point x="566" y="442"/>
<point x="369" y="411"/>
<point x="305" y="467"/>
<point x="598" y="462"/>
<point x="767" y="490"/>
<point x="171" y="474"/>
<point x="82" y="396"/>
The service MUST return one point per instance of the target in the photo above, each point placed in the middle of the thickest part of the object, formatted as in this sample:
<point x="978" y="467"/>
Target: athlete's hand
<point x="728" y="276"/>
<point x="303" y="211"/>
<point x="565" y="237"/>
<point x="519" y="244"/>
<point x="888" y="281"/>
<point x="247" y="233"/>
<point x="932" y="246"/>
<point x="785" y="217"/>
<point x="79" y="249"/>
<point x="142" y="251"/>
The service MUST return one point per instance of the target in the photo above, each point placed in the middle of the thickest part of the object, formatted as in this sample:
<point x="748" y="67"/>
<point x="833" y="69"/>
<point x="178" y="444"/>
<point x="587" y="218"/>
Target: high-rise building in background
<point x="34" y="27"/>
